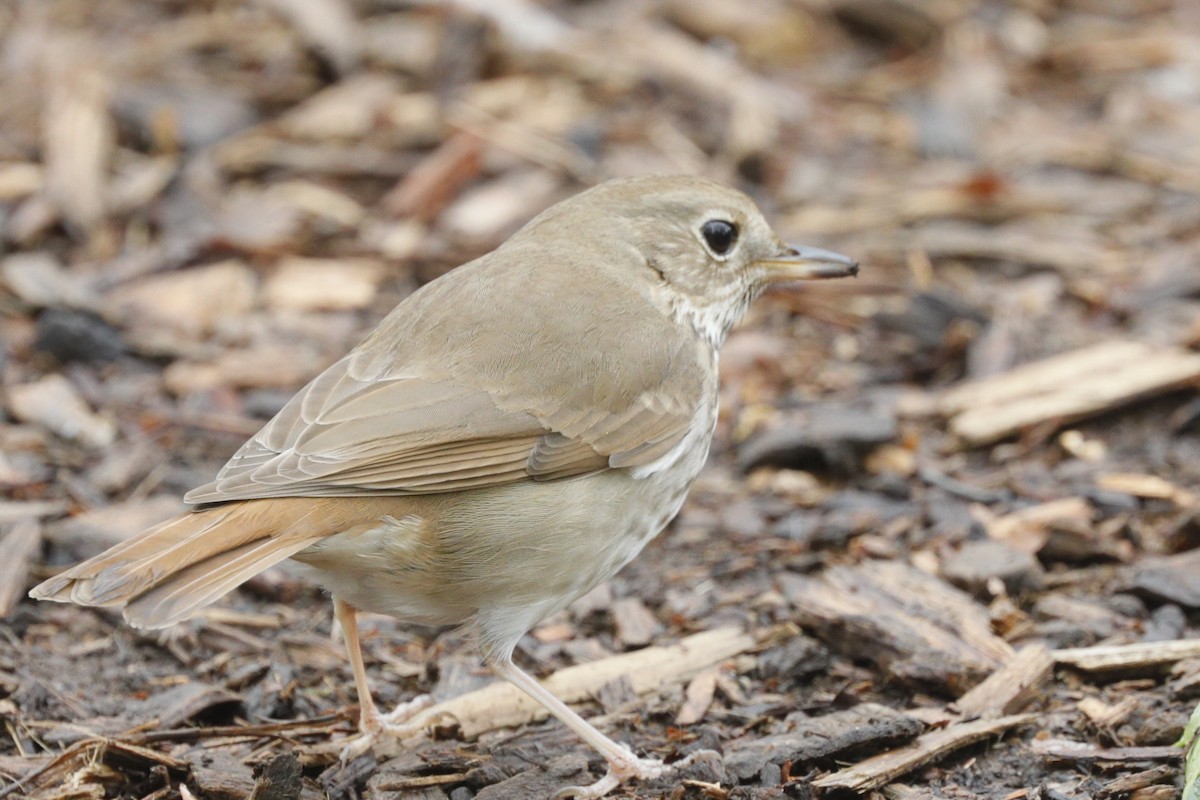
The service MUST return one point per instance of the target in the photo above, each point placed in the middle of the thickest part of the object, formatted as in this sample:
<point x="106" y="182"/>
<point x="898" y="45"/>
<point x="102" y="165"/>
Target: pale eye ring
<point x="720" y="235"/>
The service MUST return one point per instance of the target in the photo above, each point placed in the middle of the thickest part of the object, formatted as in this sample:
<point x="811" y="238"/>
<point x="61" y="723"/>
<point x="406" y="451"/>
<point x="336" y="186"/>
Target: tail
<point x="171" y="571"/>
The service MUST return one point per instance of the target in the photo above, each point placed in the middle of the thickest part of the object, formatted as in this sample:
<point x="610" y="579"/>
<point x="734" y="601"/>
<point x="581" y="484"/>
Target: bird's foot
<point x="395" y="723"/>
<point x="627" y="767"/>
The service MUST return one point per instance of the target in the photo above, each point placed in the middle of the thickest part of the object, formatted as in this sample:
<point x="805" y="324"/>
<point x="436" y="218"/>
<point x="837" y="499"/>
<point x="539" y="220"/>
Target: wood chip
<point x="20" y="545"/>
<point x="1126" y="784"/>
<point x="17" y="510"/>
<point x="190" y="300"/>
<point x="1102" y="658"/>
<point x="697" y="698"/>
<point x="318" y="284"/>
<point x="1012" y="686"/>
<point x="1148" y="486"/>
<point x="821" y="738"/>
<point x="267" y="366"/>
<point x="1068" y="750"/>
<point x="1171" y="579"/>
<point x="434" y="183"/>
<point x="1107" y="716"/>
<point x="489" y="212"/>
<point x="78" y="137"/>
<point x="501" y="705"/>
<point x="886" y="767"/>
<point x="636" y="625"/>
<point x="1065" y="388"/>
<point x="54" y="404"/>
<point x="40" y="280"/>
<point x="924" y="631"/>
<point x="19" y="180"/>
<point x="328" y="26"/>
<point x="345" y="110"/>
<point x="319" y="202"/>
<point x="1028" y="529"/>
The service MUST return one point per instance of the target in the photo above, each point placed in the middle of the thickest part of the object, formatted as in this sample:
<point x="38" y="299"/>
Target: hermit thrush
<point x="507" y="438"/>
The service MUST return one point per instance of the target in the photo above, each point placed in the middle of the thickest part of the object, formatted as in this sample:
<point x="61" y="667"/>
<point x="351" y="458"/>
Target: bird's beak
<point x="797" y="263"/>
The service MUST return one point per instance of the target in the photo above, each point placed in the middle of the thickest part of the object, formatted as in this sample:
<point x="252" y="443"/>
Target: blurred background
<point x="202" y="204"/>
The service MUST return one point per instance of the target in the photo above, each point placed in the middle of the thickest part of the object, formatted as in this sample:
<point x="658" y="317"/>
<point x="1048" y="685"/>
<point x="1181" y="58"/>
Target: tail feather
<point x="172" y="570"/>
<point x="191" y="589"/>
<point x="78" y="584"/>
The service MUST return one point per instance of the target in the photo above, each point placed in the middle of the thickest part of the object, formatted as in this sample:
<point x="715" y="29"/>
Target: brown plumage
<point x="510" y="436"/>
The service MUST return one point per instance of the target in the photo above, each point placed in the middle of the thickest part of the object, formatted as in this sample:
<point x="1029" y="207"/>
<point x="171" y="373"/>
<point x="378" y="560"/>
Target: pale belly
<point x="505" y="557"/>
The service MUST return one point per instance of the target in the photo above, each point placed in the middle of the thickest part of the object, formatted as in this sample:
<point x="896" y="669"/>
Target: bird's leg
<point x="623" y="764"/>
<point x="371" y="724"/>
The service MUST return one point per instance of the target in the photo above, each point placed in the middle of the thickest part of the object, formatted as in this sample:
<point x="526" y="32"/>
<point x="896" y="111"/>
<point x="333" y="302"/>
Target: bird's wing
<point x="355" y="431"/>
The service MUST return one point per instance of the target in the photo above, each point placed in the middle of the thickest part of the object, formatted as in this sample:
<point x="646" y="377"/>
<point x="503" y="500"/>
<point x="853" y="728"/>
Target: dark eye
<point x="719" y="235"/>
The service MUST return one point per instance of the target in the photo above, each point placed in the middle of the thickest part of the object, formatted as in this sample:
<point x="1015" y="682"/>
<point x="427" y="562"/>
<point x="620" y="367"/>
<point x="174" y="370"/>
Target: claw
<point x="395" y="723"/>
<point x="646" y="769"/>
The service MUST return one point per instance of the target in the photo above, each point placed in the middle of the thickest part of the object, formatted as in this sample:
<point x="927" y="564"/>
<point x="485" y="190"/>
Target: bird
<point x="507" y="438"/>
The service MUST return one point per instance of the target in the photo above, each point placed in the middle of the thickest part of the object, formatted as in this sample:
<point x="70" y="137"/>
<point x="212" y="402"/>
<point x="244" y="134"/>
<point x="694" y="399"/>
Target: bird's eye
<point x="719" y="235"/>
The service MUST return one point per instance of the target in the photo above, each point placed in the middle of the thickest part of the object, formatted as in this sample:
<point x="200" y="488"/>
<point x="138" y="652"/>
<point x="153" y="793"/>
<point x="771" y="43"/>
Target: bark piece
<point x="1065" y="387"/>
<point x="20" y="546"/>
<point x="1139" y="655"/>
<point x="317" y="284"/>
<point x="435" y="182"/>
<point x="1126" y="784"/>
<point x="191" y="301"/>
<point x="54" y="404"/>
<point x="1012" y="686"/>
<point x="976" y="564"/>
<point x="922" y="630"/>
<point x="1069" y="750"/>
<point x="220" y="776"/>
<point x="540" y="782"/>
<point x="1174" y="579"/>
<point x="697" y="698"/>
<point x="821" y="738"/>
<point x="822" y="439"/>
<point x="636" y="625"/>
<point x="176" y="706"/>
<point x="279" y="779"/>
<point x="885" y="767"/>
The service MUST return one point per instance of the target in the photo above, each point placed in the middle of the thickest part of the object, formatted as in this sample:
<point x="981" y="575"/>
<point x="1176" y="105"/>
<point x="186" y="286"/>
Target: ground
<point x="914" y="565"/>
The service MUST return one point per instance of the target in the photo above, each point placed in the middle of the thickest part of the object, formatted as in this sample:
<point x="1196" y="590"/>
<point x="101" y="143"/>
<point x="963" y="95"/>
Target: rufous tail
<point x="169" y="572"/>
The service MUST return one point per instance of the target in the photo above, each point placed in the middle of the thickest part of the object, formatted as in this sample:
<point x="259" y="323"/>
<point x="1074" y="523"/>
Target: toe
<point x="406" y="711"/>
<point x="590" y="792"/>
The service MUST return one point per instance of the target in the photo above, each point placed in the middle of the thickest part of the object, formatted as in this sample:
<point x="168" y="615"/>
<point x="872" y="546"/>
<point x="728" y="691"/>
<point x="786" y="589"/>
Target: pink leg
<point x="371" y="724"/>
<point x="622" y="763"/>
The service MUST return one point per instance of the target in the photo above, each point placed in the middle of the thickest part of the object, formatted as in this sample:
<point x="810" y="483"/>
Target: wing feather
<point x="381" y="422"/>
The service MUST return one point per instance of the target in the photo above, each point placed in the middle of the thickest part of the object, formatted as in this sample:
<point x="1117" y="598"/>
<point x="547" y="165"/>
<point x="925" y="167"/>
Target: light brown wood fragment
<point x="1127" y="656"/>
<point x="1148" y="486"/>
<point x="77" y="136"/>
<point x="329" y="27"/>
<point x="433" y="183"/>
<point x="17" y="510"/>
<point x="1105" y="715"/>
<point x="1010" y="687"/>
<point x="1027" y="529"/>
<point x="55" y="404"/>
<point x="698" y="698"/>
<point x="501" y="705"/>
<point x="1066" y="388"/>
<point x="1070" y="750"/>
<point x="636" y="625"/>
<point x="20" y="545"/>
<point x="900" y="791"/>
<point x="886" y="767"/>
